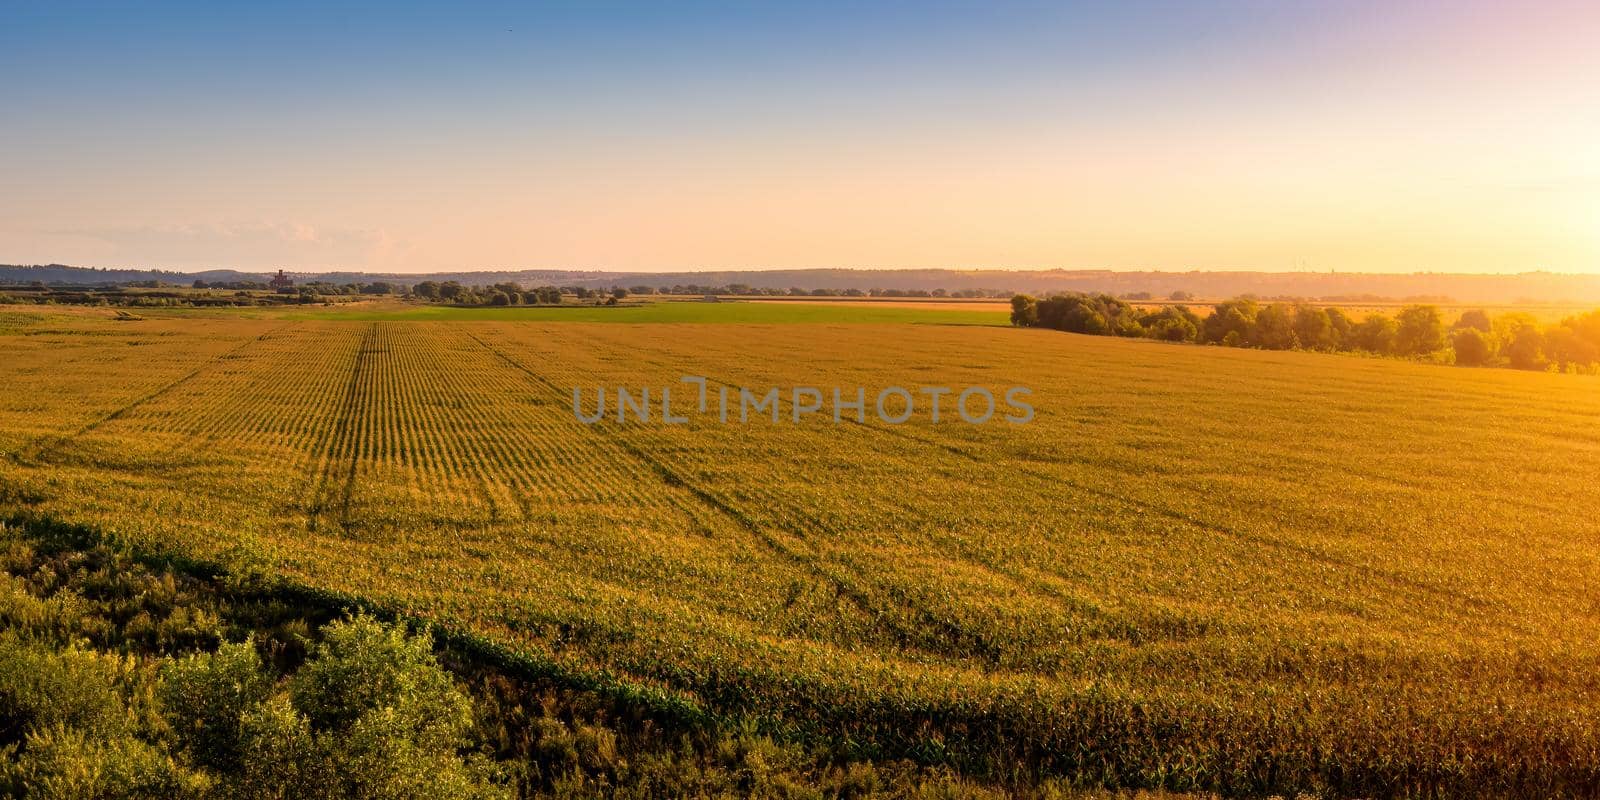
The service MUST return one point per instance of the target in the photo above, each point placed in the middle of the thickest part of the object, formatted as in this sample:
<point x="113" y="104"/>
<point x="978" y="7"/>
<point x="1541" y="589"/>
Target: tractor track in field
<point x="929" y="632"/>
<point x="941" y="632"/>
<point x="1412" y="585"/>
<point x="1312" y="554"/>
<point x="952" y="631"/>
<point x="1071" y="603"/>
<point x="30" y="453"/>
<point x="1405" y="584"/>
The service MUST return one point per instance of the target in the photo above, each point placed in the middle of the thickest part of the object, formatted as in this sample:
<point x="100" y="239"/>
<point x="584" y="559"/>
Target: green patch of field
<point x="731" y="312"/>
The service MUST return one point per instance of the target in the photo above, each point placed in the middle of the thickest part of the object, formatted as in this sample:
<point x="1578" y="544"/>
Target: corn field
<point x="1196" y="568"/>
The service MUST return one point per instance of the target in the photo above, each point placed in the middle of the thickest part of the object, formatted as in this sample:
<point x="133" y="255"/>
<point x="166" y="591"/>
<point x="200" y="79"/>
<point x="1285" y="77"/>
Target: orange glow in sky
<point x="1461" y="137"/>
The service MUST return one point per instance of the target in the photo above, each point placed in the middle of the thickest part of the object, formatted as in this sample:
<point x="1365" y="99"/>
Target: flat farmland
<point x="1195" y="567"/>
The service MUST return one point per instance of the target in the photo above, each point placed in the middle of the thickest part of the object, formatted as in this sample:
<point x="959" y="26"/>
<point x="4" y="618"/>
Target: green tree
<point x="1172" y="324"/>
<point x="1471" y="346"/>
<point x="1275" y="328"/>
<point x="1097" y="314"/>
<point x="1232" y="322"/>
<point x="1418" y="331"/>
<point x="1314" y="328"/>
<point x="1375" y="334"/>
<point x="1024" y="311"/>
<point x="1341" y="325"/>
<point x="1574" y="342"/>
<point x="1475" y="318"/>
<point x="1525" y="347"/>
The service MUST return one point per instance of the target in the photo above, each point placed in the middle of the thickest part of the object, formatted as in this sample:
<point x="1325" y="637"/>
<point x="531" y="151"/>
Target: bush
<point x="64" y="763"/>
<point x="40" y="688"/>
<point x="205" y="696"/>
<point x="369" y="715"/>
<point x="363" y="666"/>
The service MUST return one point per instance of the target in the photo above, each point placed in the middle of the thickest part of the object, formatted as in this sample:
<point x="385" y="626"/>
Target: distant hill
<point x="1531" y="286"/>
<point x="63" y="275"/>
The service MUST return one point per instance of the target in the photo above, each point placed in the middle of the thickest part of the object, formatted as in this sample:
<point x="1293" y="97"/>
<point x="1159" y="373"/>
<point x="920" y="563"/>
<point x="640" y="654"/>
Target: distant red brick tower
<point x="282" y="281"/>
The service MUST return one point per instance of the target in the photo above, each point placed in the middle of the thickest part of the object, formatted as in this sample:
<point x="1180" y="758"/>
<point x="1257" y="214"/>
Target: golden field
<point x="1196" y="568"/>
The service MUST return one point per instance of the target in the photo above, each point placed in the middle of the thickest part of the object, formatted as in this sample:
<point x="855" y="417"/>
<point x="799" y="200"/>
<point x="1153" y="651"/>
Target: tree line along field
<point x="1197" y="568"/>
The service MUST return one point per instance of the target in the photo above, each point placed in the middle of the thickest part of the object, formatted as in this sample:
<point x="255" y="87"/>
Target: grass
<point x="1198" y="568"/>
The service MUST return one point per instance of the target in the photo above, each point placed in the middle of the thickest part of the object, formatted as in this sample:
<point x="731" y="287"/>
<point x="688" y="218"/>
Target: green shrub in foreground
<point x="369" y="715"/>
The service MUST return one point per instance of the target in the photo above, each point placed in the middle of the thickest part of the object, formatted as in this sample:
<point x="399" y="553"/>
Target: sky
<point x="406" y="137"/>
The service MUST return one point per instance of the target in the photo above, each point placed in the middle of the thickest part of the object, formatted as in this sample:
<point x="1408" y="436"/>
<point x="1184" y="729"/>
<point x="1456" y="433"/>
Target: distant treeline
<point x="245" y="293"/>
<point x="1515" y="340"/>
<point x="310" y="287"/>
<point x="508" y="293"/>
<point x="746" y="290"/>
<point x="155" y="294"/>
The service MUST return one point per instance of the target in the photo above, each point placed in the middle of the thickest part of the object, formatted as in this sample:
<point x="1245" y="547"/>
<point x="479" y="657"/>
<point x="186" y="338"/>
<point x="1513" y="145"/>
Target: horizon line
<point x="705" y="271"/>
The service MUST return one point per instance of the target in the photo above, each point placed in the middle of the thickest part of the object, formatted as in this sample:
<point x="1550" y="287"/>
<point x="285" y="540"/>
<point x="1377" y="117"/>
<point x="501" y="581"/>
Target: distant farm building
<point x="281" y="281"/>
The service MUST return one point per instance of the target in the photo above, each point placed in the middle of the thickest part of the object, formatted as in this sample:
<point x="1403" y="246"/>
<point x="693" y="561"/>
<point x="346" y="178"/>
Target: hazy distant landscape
<point x="1215" y="285"/>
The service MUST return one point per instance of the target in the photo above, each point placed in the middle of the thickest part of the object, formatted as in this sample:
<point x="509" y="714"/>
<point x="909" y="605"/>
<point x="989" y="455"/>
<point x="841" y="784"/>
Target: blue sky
<point x="642" y="135"/>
